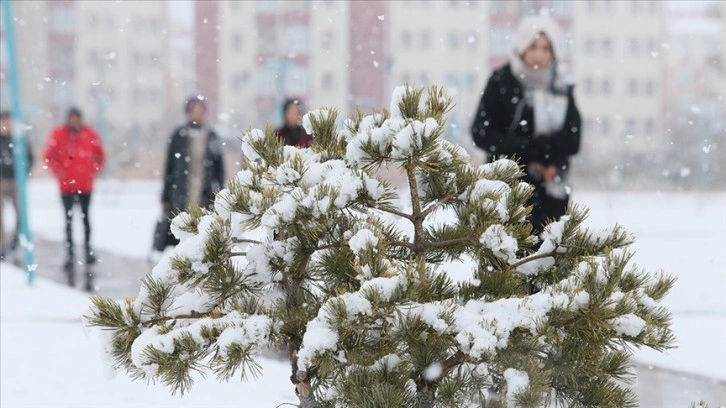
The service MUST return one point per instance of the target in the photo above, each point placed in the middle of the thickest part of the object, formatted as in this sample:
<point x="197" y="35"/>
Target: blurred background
<point x="650" y="75"/>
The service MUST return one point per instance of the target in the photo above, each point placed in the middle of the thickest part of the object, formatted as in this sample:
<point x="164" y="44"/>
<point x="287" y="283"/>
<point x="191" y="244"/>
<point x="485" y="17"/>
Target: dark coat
<point x="7" y="158"/>
<point x="495" y="132"/>
<point x="177" y="169"/>
<point x="497" y="110"/>
<point x="295" y="136"/>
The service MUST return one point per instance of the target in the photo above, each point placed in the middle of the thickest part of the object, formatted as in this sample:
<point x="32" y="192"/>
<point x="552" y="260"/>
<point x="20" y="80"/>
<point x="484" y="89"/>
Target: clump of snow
<point x="433" y="371"/>
<point x="253" y="331"/>
<point x="319" y="114"/>
<point x="628" y="325"/>
<point x="362" y="239"/>
<point x="580" y="300"/>
<point x="517" y="381"/>
<point x="502" y="245"/>
<point x="319" y="337"/>
<point x="396" y="98"/>
<point x="248" y="139"/>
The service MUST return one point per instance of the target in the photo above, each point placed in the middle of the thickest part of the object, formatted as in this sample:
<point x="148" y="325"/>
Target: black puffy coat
<point x="177" y="169"/>
<point x="494" y="130"/>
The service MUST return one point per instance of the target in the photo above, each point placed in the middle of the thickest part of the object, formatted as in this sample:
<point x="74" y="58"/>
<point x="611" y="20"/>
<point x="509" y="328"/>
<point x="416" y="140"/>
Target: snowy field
<point x="682" y="234"/>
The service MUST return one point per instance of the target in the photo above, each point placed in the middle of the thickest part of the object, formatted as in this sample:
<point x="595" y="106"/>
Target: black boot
<point x="90" y="288"/>
<point x="70" y="270"/>
<point x="90" y="256"/>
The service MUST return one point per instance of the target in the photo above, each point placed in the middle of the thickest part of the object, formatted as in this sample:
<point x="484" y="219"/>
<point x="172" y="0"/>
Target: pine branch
<point x="192" y="315"/>
<point x="233" y="254"/>
<point x="450" y="243"/>
<point x="536" y="257"/>
<point x="434" y="206"/>
<point x="396" y="212"/>
<point x="245" y="241"/>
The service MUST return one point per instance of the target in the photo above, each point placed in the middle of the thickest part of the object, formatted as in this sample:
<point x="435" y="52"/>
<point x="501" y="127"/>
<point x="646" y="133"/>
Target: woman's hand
<point x="546" y="173"/>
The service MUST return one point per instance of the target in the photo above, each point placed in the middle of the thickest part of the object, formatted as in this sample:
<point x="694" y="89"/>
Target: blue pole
<point x="19" y="147"/>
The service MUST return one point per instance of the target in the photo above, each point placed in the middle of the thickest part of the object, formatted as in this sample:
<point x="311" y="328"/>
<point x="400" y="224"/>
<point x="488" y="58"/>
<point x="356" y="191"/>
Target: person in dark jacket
<point x="8" y="190"/>
<point x="194" y="170"/>
<point x="292" y="133"/>
<point x="75" y="155"/>
<point x="528" y="112"/>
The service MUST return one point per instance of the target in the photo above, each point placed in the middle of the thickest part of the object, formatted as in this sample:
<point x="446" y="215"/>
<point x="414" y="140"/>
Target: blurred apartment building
<point x="638" y="65"/>
<point x="353" y="53"/>
<point x="108" y="58"/>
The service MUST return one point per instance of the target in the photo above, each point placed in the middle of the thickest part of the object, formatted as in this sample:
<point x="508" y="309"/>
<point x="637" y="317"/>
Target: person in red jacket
<point x="75" y="155"/>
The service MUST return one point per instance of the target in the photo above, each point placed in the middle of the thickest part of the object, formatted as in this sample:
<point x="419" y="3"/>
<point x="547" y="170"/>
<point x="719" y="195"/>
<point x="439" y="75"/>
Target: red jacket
<point x="74" y="158"/>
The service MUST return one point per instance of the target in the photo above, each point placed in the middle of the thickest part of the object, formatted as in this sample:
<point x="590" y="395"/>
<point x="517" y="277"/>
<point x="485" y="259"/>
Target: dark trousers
<point x="84" y="200"/>
<point x="545" y="208"/>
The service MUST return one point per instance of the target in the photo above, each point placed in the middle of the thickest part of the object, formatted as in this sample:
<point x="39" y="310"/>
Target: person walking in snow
<point x="8" y="191"/>
<point x="194" y="170"/>
<point x="291" y="132"/>
<point x="75" y="155"/>
<point x="528" y="112"/>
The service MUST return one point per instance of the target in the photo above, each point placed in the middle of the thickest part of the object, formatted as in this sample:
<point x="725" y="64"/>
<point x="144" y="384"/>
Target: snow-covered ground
<point x="682" y="234"/>
<point x="48" y="360"/>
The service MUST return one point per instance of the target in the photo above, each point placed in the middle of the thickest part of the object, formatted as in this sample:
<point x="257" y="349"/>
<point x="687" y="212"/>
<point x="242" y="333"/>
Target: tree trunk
<point x="425" y="398"/>
<point x="305" y="395"/>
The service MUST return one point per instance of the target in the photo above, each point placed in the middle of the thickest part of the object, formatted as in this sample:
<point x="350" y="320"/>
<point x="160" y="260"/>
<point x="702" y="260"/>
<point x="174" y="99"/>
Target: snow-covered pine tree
<point x="417" y="297"/>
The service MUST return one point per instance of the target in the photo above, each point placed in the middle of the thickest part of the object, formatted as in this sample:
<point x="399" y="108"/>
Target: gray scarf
<point x="544" y="92"/>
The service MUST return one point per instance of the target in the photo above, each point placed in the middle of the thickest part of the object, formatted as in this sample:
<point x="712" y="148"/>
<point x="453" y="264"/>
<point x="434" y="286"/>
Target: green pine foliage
<point x="418" y="297"/>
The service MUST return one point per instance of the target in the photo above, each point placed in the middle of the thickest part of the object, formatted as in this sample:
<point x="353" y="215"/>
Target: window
<point x="136" y="59"/>
<point x="154" y="58"/>
<point x="605" y="126"/>
<point x="62" y="91"/>
<point x="406" y="39"/>
<point x="327" y="81"/>
<point x="92" y="57"/>
<point x="649" y="126"/>
<point x="630" y="126"/>
<point x="61" y="57"/>
<point x="652" y="45"/>
<point x="649" y="87"/>
<point x="267" y="37"/>
<point x="296" y="80"/>
<point x="426" y="39"/>
<point x="590" y="44"/>
<point x="327" y="40"/>
<point x="238" y="80"/>
<point x="453" y="40"/>
<point x="237" y="42"/>
<point x="606" y="46"/>
<point x="153" y="96"/>
<point x="92" y="20"/>
<point x="296" y="38"/>
<point x="634" y="46"/>
<point x="62" y="19"/>
<point x="605" y="86"/>
<point x="632" y="86"/>
<point x="588" y="86"/>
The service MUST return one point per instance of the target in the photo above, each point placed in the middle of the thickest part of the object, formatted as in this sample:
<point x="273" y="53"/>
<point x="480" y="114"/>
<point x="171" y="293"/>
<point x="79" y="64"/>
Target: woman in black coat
<point x="528" y="112"/>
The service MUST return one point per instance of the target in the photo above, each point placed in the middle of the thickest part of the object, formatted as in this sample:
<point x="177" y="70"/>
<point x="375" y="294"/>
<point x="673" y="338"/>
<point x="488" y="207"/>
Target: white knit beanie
<point x="530" y="27"/>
